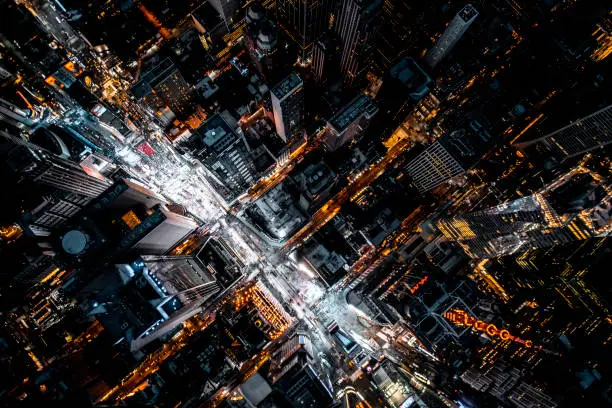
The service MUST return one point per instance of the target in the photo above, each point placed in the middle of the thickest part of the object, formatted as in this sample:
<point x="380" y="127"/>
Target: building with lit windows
<point x="288" y="107"/>
<point x="452" y="154"/>
<point x="415" y="295"/>
<point x="579" y="137"/>
<point x="185" y="277"/>
<point x="451" y="35"/>
<point x="350" y="122"/>
<point x="394" y="387"/>
<point x="161" y="86"/>
<point x="506" y="384"/>
<point x="356" y="26"/>
<point x="181" y="284"/>
<point x="433" y="167"/>
<point x="261" y="38"/>
<point x="44" y="167"/>
<point x="576" y="206"/>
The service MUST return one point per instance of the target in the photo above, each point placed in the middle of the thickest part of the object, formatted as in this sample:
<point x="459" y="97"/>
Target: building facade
<point x="161" y="86"/>
<point x="433" y="167"/>
<point x="304" y="21"/>
<point x="225" y="156"/>
<point x="356" y="28"/>
<point x="350" y="122"/>
<point x="573" y="207"/>
<point x="451" y="35"/>
<point x="288" y="107"/>
<point x="577" y="138"/>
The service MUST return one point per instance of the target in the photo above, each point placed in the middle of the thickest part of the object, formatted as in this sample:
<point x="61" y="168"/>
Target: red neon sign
<point x="419" y="284"/>
<point x="462" y="318"/>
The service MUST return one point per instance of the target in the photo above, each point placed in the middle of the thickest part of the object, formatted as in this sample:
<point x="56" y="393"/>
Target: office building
<point x="261" y="38"/>
<point x="127" y="217"/>
<point x="451" y="35"/>
<point x="288" y="107"/>
<point x="356" y="27"/>
<point x="433" y="167"/>
<point x="350" y="122"/>
<point x="326" y="54"/>
<point x="161" y="86"/>
<point x="182" y="286"/>
<point x="187" y="285"/>
<point x="452" y="154"/>
<point x="573" y="207"/>
<point x="43" y="167"/>
<point x="227" y="10"/>
<point x="577" y="138"/>
<point x="394" y="387"/>
<point x="415" y="295"/>
<point x="507" y="385"/>
<point x="182" y="276"/>
<point x="304" y="21"/>
<point x="226" y="156"/>
<point x="410" y="78"/>
<point x="53" y="210"/>
<point x="528" y="396"/>
<point x="293" y="372"/>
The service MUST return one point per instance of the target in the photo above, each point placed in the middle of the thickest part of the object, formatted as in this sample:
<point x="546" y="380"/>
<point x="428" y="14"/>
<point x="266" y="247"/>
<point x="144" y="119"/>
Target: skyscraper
<point x="46" y="168"/>
<point x="226" y="9"/>
<point x="261" y="38"/>
<point x="452" y="154"/>
<point x="326" y="59"/>
<point x="576" y="206"/>
<point x="183" y="285"/>
<point x="182" y="276"/>
<point x="433" y="167"/>
<point x="288" y="106"/>
<point x="225" y="156"/>
<point x="425" y="300"/>
<point x="293" y="372"/>
<point x="161" y="86"/>
<point x="356" y="29"/>
<point x="451" y="35"/>
<point x="304" y="21"/>
<point x="352" y="120"/>
<point x="127" y="217"/>
<point x="579" y="137"/>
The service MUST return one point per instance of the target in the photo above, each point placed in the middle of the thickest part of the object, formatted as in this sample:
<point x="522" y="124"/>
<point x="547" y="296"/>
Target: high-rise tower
<point x="350" y="122"/>
<point x="304" y="21"/>
<point x="288" y="106"/>
<point x="451" y="35"/>
<point x="579" y="137"/>
<point x="326" y="59"/>
<point x="356" y="28"/>
<point x="576" y="206"/>
<point x="226" y="9"/>
<point x="44" y="167"/>
<point x="452" y="154"/>
<point x="163" y="86"/>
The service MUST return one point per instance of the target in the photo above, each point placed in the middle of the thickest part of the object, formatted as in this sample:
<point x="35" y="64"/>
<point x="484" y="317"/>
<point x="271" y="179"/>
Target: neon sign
<point x="463" y="318"/>
<point x="419" y="284"/>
